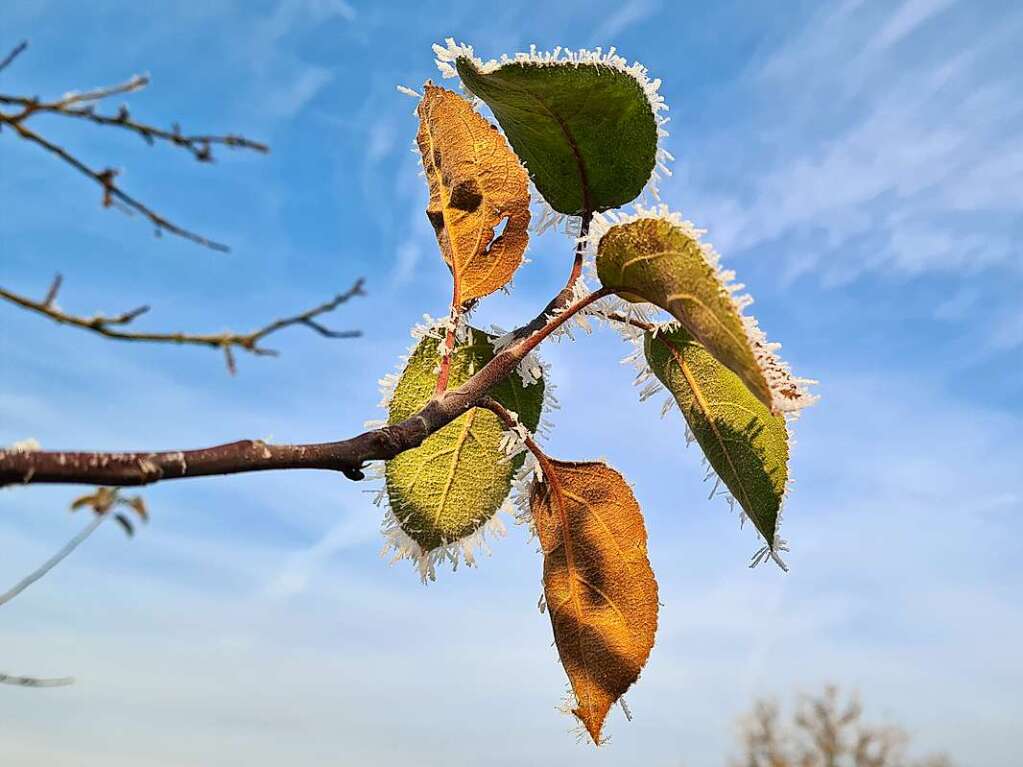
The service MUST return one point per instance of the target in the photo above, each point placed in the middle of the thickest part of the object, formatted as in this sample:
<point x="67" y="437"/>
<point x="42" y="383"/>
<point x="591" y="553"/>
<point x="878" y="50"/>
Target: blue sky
<point x="858" y="164"/>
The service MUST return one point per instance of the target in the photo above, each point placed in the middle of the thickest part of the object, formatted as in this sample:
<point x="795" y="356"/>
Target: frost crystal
<point x="451" y="51"/>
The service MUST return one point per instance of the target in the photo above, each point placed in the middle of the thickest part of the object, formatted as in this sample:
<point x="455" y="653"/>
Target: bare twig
<point x="346" y="456"/>
<point x="53" y="561"/>
<point x="111" y="192"/>
<point x="18" y="50"/>
<point x="103" y="501"/>
<point x="200" y="146"/>
<point x="31" y="681"/>
<point x="81" y="106"/>
<point x="624" y="320"/>
<point x="109" y="326"/>
<point x="511" y="421"/>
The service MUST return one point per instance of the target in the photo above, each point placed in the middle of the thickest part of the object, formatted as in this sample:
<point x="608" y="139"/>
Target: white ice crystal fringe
<point x="530" y="370"/>
<point x="449" y="53"/>
<point x="513" y="443"/>
<point x="30" y="445"/>
<point x="430" y="328"/>
<point x="400" y="545"/>
<point x="775" y="371"/>
<point x="544" y="217"/>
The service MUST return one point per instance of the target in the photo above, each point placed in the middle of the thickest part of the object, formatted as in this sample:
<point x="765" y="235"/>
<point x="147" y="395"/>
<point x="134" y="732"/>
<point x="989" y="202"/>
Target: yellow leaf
<point x="600" y="590"/>
<point x="476" y="183"/>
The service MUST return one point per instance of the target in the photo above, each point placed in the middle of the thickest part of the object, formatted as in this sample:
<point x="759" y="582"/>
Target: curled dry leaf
<point x="476" y="184"/>
<point x="600" y="590"/>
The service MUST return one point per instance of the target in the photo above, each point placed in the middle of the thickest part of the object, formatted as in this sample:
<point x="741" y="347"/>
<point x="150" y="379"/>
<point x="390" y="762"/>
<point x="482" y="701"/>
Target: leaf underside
<point x="458" y="478"/>
<point x="744" y="443"/>
<point x="654" y="260"/>
<point x="600" y="590"/>
<point x="585" y="132"/>
<point x="476" y="183"/>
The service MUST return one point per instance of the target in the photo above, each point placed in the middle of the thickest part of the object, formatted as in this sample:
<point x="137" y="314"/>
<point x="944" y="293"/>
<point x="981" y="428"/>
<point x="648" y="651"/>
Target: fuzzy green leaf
<point x="586" y="132"/>
<point x="662" y="261"/>
<point x="745" y="444"/>
<point x="458" y="478"/>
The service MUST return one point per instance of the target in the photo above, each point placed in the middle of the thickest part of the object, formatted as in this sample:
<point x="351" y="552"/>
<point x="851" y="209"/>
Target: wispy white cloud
<point x="886" y="158"/>
<point x="286" y="102"/>
<point x="622" y="18"/>
<point x="358" y="527"/>
<point x="910" y="15"/>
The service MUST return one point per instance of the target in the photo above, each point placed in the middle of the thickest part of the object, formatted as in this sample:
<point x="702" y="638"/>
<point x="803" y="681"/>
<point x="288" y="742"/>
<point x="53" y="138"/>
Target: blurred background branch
<point x="111" y="326"/>
<point x="825" y="730"/>
<point x="20" y="109"/>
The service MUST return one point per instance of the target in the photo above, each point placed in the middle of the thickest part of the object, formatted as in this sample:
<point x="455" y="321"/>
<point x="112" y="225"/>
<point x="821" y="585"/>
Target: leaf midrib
<point x="456" y="267"/>
<point x="555" y="487"/>
<point x="705" y="408"/>
<point x="569" y="137"/>
<point x="459" y="444"/>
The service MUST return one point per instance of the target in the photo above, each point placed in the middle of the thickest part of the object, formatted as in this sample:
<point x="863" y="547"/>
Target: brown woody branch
<point x="510" y="420"/>
<point x="346" y="456"/>
<point x="111" y="326"/>
<point x="81" y="106"/>
<point x="564" y="296"/>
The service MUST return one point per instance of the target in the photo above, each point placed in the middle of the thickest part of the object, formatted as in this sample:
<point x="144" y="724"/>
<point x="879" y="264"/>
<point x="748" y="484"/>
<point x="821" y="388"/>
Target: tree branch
<point x="53" y="561"/>
<point x="17" y="51"/>
<point x="564" y="296"/>
<point x="198" y="145"/>
<point x="511" y="421"/>
<point x="346" y="456"/>
<point x="81" y="106"/>
<point x="108" y="326"/>
<point x="32" y="681"/>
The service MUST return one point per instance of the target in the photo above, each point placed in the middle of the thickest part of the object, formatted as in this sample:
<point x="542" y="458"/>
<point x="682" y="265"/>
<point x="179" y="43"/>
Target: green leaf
<point x="454" y="482"/>
<point x="745" y="444"/>
<point x="586" y="128"/>
<point x="660" y="259"/>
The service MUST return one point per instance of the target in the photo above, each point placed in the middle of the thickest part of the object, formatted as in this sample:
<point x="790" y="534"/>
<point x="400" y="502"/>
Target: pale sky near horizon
<point x="858" y="164"/>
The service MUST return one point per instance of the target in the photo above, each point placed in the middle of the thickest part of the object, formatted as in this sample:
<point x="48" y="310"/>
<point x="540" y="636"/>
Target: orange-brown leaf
<point x="600" y="590"/>
<point x="476" y="182"/>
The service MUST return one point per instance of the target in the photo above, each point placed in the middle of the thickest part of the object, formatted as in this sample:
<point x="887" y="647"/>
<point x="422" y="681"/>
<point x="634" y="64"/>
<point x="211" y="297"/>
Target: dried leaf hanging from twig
<point x="600" y="590"/>
<point x="476" y="184"/>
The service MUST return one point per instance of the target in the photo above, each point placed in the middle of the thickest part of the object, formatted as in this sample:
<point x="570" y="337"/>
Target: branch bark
<point x="564" y="296"/>
<point x="19" y="466"/>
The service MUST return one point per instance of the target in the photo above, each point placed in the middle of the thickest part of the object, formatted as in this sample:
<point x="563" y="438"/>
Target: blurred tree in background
<point x="824" y="730"/>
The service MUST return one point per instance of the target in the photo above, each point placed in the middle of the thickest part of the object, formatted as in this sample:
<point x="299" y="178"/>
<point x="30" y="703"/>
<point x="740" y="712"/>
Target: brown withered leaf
<point x="476" y="183"/>
<point x="600" y="590"/>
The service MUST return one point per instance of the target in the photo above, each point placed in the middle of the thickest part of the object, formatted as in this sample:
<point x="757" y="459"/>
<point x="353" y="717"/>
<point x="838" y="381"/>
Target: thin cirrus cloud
<point x="892" y="148"/>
